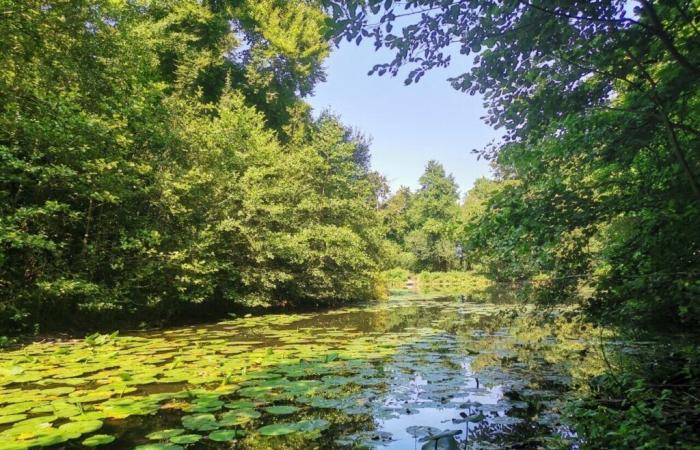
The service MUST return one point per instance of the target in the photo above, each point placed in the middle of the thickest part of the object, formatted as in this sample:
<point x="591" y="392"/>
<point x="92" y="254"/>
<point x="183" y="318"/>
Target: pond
<point x="414" y="371"/>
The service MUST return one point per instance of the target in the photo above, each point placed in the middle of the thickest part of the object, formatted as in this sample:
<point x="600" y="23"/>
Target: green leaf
<point x="225" y="435"/>
<point x="98" y="439"/>
<point x="280" y="410"/>
<point x="165" y="434"/>
<point x="278" y="429"/>
<point x="185" y="439"/>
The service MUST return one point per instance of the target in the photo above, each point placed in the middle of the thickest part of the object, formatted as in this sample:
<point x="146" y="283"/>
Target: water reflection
<point x="386" y="374"/>
<point x="496" y="374"/>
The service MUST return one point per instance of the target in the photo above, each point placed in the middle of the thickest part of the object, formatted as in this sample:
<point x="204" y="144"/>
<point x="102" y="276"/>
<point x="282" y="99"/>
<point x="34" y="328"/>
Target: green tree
<point x="432" y="215"/>
<point x="599" y="109"/>
<point x="474" y="207"/>
<point x="310" y="216"/>
<point x="131" y="133"/>
<point x="599" y="106"/>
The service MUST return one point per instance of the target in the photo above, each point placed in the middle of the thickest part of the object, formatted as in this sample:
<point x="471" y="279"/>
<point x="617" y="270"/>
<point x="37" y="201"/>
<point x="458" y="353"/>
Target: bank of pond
<point x="414" y="371"/>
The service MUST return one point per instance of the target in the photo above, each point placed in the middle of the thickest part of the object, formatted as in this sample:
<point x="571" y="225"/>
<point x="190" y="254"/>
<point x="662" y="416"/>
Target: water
<point x="386" y="374"/>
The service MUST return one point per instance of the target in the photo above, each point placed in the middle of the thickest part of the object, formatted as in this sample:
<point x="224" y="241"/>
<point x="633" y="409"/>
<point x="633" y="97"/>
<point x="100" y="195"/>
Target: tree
<point x="132" y="133"/>
<point x="395" y="214"/>
<point x="599" y="106"/>
<point x="595" y="102"/>
<point x="474" y="207"/>
<point x="310" y="216"/>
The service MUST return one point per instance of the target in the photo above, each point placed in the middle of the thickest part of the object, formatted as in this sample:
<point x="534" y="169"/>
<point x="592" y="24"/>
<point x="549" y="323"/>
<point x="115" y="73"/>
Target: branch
<point x="583" y="18"/>
<point x="667" y="39"/>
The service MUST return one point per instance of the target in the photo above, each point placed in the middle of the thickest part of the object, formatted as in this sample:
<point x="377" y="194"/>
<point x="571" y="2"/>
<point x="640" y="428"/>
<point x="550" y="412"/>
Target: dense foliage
<point x="156" y="161"/>
<point x="422" y="226"/>
<point x="599" y="104"/>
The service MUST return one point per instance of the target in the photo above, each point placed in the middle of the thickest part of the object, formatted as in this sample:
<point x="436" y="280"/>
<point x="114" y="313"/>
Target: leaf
<point x="185" y="439"/>
<point x="158" y="447"/>
<point x="438" y="436"/>
<point x="312" y="425"/>
<point x="200" y="422"/>
<point x="98" y="439"/>
<point x="75" y="429"/>
<point x="278" y="429"/>
<point x="12" y="418"/>
<point x="280" y="410"/>
<point x="418" y="431"/>
<point x="225" y="435"/>
<point x="165" y="434"/>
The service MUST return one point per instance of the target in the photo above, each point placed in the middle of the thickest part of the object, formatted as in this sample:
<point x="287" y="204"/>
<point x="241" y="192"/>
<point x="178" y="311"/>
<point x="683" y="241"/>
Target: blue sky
<point x="408" y="125"/>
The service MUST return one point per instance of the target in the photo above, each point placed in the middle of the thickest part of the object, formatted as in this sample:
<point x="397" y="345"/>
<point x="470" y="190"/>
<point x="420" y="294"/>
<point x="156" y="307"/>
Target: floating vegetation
<point x="349" y="377"/>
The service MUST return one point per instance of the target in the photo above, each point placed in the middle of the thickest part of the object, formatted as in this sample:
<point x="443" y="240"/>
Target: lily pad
<point x="159" y="447"/>
<point x="12" y="418"/>
<point x="76" y="429"/>
<point x="200" y="422"/>
<point x="281" y="410"/>
<point x="98" y="439"/>
<point x="312" y="425"/>
<point x="165" y="434"/>
<point x="418" y="431"/>
<point x="225" y="435"/>
<point x="278" y="429"/>
<point x="240" y="404"/>
<point x="185" y="439"/>
<point x="238" y="417"/>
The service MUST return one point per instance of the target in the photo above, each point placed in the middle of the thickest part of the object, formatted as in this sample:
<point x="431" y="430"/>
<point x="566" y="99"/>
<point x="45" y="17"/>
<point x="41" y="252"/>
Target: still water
<point x="415" y="371"/>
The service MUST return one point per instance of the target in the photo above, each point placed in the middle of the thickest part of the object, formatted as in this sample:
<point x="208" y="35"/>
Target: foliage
<point x="467" y="281"/>
<point x="422" y="226"/>
<point x="143" y="153"/>
<point x="396" y="277"/>
<point x="638" y="408"/>
<point x="311" y="218"/>
<point x="601" y="150"/>
<point x="599" y="107"/>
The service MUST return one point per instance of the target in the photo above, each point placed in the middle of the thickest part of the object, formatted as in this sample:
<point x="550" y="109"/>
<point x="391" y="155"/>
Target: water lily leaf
<point x="12" y="418"/>
<point x="165" y="434"/>
<point x="98" y="439"/>
<point x="159" y="447"/>
<point x="185" y="439"/>
<point x="238" y="417"/>
<point x="505" y="420"/>
<point x="240" y="404"/>
<point x="278" y="429"/>
<point x="441" y="435"/>
<point x="474" y="418"/>
<point x="202" y="406"/>
<point x="418" y="431"/>
<point x="90" y="396"/>
<point x="280" y="410"/>
<point x="90" y="415"/>
<point x="16" y="408"/>
<point x="312" y="425"/>
<point x="200" y="422"/>
<point x="444" y="443"/>
<point x="225" y="435"/>
<point x="75" y="429"/>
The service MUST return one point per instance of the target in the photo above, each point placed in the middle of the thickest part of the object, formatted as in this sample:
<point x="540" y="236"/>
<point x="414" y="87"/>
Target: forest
<point x="162" y="171"/>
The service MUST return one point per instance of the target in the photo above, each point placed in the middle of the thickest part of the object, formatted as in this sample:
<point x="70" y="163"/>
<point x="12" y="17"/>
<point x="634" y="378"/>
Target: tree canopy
<point x="422" y="226"/>
<point x="598" y="103"/>
<point x="158" y="161"/>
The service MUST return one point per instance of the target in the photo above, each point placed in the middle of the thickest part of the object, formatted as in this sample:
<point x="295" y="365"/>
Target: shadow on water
<point x="484" y="372"/>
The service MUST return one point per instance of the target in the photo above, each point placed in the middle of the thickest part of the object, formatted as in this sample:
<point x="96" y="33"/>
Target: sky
<point x="408" y="125"/>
